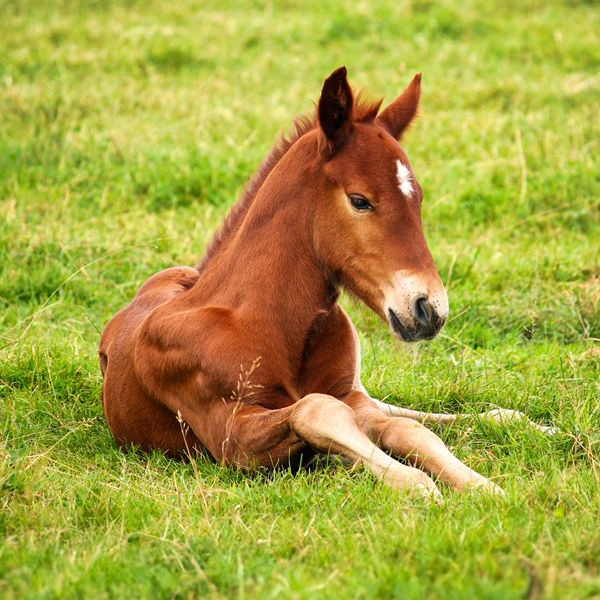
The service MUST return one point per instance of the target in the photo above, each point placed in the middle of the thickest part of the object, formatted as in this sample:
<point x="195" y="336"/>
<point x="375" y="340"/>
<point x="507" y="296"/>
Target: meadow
<point x="128" y="128"/>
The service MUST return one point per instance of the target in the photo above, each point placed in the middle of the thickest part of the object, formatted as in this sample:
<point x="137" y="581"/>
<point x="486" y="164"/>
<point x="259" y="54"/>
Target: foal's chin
<point x="410" y="330"/>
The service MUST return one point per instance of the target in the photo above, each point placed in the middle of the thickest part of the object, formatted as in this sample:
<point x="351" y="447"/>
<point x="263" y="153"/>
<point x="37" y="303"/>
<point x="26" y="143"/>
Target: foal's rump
<point x="165" y="284"/>
<point x="133" y="418"/>
<point x="158" y="288"/>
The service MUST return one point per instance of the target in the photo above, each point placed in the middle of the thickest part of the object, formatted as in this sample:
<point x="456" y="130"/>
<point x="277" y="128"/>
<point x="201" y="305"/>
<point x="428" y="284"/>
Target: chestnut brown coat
<point x="251" y="349"/>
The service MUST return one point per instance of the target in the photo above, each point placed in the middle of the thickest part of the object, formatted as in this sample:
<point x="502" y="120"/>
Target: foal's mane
<point x="363" y="111"/>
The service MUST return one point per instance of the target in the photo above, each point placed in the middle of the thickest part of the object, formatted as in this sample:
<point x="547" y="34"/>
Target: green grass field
<point x="128" y="128"/>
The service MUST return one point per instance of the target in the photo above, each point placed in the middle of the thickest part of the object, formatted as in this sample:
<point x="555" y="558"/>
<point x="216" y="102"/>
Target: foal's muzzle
<point x="415" y="305"/>
<point x="424" y="324"/>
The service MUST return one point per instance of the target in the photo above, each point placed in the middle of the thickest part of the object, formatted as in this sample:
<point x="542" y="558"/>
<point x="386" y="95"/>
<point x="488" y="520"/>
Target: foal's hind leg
<point x="496" y="415"/>
<point x="420" y="446"/>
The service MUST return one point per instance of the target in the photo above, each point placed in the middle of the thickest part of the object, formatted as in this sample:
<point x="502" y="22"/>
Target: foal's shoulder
<point x="332" y="332"/>
<point x="337" y="322"/>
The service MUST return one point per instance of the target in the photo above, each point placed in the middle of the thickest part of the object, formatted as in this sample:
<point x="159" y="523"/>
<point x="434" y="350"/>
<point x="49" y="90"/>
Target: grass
<point x="127" y="130"/>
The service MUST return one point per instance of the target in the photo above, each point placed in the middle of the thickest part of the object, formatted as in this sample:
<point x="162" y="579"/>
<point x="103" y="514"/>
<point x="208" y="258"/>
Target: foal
<point x="251" y="348"/>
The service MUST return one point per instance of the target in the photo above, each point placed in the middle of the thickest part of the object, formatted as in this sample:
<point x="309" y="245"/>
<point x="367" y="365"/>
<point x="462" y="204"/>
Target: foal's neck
<point x="268" y="271"/>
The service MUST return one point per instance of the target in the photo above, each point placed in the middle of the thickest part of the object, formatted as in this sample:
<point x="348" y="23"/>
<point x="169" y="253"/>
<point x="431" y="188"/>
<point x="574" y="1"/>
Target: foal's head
<point x="369" y="229"/>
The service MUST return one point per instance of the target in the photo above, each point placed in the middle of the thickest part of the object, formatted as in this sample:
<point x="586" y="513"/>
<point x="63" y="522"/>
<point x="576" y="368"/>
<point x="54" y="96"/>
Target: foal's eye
<point x="359" y="202"/>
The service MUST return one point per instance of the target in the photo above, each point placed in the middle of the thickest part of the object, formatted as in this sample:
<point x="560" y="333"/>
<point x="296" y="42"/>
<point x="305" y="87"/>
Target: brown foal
<point x="251" y="348"/>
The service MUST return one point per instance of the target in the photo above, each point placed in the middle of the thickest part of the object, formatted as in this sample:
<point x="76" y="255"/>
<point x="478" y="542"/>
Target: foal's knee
<point x="315" y="415"/>
<point x="318" y="405"/>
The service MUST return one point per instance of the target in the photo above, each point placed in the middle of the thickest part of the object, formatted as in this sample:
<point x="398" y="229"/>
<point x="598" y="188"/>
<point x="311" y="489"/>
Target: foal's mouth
<point x="412" y="334"/>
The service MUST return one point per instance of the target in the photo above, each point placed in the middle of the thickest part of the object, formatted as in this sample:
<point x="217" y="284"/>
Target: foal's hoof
<point x="432" y="493"/>
<point x="505" y="415"/>
<point x="416" y="482"/>
<point x="425" y="492"/>
<point x="489" y="487"/>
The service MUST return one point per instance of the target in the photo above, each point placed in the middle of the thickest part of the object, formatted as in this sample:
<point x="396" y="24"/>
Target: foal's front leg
<point x="420" y="446"/>
<point x="330" y="425"/>
<point x="249" y="435"/>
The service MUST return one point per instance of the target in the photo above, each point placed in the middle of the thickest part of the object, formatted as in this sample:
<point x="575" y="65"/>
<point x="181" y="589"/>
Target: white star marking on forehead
<point x="404" y="179"/>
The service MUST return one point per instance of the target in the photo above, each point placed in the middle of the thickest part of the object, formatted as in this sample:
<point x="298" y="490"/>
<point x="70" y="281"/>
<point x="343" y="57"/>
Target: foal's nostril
<point x="423" y="310"/>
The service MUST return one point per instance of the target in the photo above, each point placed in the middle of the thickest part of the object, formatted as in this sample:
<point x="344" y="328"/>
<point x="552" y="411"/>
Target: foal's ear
<point x="398" y="115"/>
<point x="335" y="109"/>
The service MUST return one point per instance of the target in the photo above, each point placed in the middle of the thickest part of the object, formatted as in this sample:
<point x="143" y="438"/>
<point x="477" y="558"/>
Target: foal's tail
<point x="496" y="415"/>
